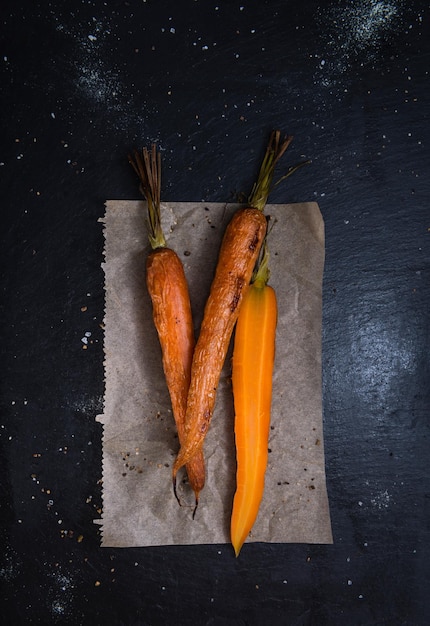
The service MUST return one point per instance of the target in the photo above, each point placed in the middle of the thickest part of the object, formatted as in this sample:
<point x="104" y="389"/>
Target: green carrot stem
<point x="148" y="169"/>
<point x="262" y="187"/>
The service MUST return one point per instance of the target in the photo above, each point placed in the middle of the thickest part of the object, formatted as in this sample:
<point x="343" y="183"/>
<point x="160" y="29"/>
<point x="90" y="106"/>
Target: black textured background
<point x="81" y="84"/>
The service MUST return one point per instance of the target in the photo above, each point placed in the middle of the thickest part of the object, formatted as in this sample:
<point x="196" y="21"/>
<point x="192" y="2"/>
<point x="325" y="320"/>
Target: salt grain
<point x="354" y="32"/>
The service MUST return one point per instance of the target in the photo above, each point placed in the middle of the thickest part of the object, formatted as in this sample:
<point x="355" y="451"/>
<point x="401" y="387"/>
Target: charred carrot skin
<point x="172" y="315"/>
<point x="168" y="289"/>
<point x="253" y="360"/>
<point x="238" y="254"/>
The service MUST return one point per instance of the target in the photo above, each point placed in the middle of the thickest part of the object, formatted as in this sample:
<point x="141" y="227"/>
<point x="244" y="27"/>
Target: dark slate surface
<point x="82" y="83"/>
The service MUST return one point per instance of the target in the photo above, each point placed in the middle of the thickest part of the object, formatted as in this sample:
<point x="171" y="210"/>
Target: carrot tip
<point x="237" y="549"/>
<point x="195" y="507"/>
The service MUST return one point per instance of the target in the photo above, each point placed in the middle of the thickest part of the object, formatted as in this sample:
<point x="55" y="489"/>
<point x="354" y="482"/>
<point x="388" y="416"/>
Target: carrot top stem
<point x="261" y="274"/>
<point x="148" y="168"/>
<point x="262" y="187"/>
<point x="291" y="170"/>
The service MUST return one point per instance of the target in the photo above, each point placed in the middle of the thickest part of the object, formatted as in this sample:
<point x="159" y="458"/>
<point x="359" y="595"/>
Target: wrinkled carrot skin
<point x="253" y="360"/>
<point x="238" y="254"/>
<point x="168" y="289"/>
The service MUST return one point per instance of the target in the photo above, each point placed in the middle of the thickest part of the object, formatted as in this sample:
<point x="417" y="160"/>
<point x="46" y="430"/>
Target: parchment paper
<point x="139" y="435"/>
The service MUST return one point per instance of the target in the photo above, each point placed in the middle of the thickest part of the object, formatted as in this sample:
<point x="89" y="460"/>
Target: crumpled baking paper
<point x="139" y="436"/>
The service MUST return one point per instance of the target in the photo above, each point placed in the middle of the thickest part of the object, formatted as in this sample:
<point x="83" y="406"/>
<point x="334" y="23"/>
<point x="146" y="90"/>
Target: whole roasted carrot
<point x="168" y="289"/>
<point x="253" y="359"/>
<point x="238" y="254"/>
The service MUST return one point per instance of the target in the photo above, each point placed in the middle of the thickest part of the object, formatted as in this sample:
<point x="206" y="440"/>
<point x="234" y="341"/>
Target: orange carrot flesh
<point x="168" y="288"/>
<point x="238" y="254"/>
<point x="253" y="360"/>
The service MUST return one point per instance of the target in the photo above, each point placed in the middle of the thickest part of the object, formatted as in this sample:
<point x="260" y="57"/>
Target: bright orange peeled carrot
<point x="239" y="252"/>
<point x="253" y="360"/>
<point x="168" y="289"/>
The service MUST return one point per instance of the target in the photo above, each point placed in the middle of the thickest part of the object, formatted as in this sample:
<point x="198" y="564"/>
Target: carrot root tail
<point x="175" y="491"/>
<point x="195" y="506"/>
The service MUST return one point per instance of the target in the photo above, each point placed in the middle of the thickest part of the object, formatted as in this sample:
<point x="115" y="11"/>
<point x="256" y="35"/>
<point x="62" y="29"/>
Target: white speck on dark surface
<point x="10" y="565"/>
<point x="100" y="83"/>
<point x="381" y="500"/>
<point x="61" y="593"/>
<point x="353" y="33"/>
<point x="85" y="338"/>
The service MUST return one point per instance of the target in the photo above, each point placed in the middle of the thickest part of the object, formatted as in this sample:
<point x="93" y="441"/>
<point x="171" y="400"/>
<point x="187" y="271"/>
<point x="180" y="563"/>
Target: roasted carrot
<point x="253" y="359"/>
<point x="238" y="254"/>
<point x="168" y="289"/>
